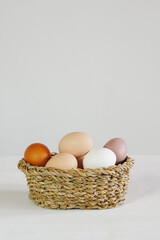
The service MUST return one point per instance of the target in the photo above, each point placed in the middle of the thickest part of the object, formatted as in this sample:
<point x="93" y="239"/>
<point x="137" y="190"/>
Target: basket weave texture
<point x="77" y="188"/>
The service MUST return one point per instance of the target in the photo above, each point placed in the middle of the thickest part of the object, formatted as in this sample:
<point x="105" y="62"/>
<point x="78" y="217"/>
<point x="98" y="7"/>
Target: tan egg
<point x="76" y="143"/>
<point x="63" y="161"/>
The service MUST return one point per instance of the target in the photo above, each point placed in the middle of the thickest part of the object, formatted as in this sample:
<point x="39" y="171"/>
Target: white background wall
<point x="86" y="65"/>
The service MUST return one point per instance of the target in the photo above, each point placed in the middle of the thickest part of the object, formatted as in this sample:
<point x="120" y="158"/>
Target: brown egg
<point x="63" y="161"/>
<point x="37" y="154"/>
<point x="76" y="143"/>
<point x="80" y="162"/>
<point x="119" y="147"/>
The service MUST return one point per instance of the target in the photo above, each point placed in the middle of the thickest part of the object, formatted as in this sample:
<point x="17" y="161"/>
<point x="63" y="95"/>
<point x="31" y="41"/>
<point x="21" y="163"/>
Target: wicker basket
<point x="77" y="188"/>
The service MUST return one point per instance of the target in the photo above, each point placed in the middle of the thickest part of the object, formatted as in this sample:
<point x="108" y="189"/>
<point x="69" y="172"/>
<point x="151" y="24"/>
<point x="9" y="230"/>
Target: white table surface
<point x="138" y="218"/>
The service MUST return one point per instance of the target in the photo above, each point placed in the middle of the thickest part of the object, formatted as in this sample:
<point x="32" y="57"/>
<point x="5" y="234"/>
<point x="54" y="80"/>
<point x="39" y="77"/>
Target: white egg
<point x="99" y="157"/>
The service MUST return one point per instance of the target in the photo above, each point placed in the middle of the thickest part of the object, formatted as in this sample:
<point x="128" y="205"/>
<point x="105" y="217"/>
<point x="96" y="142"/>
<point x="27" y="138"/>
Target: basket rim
<point x="25" y="167"/>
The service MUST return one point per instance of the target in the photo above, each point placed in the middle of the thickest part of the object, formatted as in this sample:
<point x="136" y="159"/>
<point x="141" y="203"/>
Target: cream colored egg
<point x="76" y="143"/>
<point x="63" y="161"/>
<point x="99" y="157"/>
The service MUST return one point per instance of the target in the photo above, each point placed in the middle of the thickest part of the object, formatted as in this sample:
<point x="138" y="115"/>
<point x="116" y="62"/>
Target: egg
<point x="99" y="157"/>
<point x="76" y="143"/>
<point x="119" y="147"/>
<point x="63" y="161"/>
<point x="37" y="154"/>
<point x="80" y="161"/>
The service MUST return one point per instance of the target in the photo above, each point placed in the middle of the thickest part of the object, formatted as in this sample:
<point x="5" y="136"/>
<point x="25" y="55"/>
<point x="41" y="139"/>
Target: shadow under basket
<point x="77" y="188"/>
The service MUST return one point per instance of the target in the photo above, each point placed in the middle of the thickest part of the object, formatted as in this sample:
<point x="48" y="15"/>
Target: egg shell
<point x="37" y="154"/>
<point x="80" y="161"/>
<point x="76" y="143"/>
<point x="119" y="147"/>
<point x="63" y="161"/>
<point x="99" y="157"/>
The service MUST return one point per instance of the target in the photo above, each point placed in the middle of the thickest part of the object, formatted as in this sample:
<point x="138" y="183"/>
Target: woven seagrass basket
<point x="77" y="188"/>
